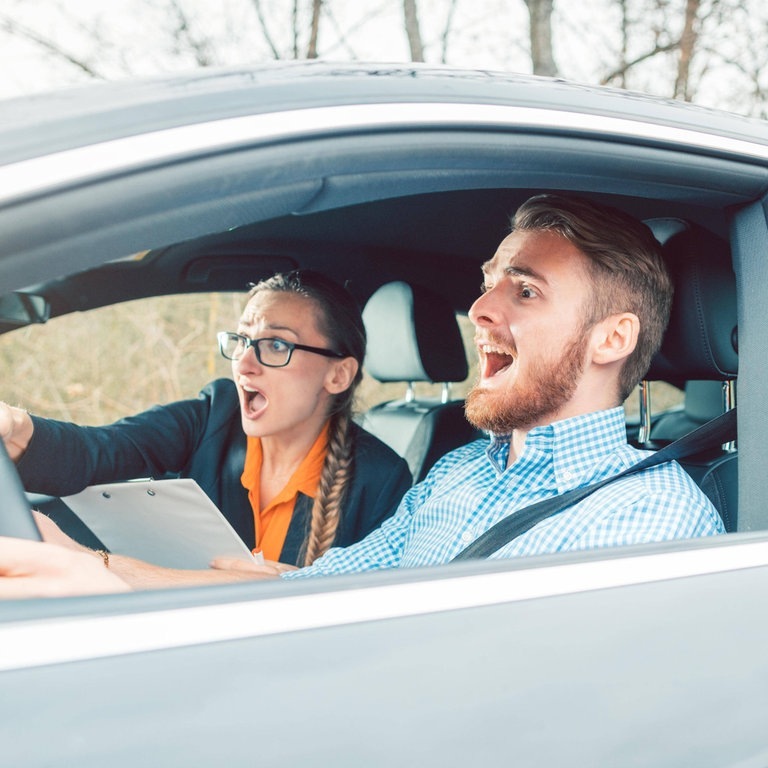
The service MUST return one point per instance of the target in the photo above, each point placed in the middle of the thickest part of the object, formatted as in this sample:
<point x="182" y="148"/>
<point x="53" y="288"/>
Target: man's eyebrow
<point x="515" y="271"/>
<point x="523" y="271"/>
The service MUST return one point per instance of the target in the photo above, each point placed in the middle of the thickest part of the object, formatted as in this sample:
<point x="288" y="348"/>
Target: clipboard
<point x="171" y="523"/>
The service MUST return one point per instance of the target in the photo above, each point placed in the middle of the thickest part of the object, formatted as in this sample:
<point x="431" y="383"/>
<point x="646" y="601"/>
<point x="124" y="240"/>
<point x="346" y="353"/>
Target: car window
<point x="97" y="366"/>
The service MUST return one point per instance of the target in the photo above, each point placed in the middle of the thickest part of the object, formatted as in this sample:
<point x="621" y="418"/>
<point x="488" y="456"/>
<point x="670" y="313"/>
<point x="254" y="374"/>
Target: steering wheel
<point x="15" y="513"/>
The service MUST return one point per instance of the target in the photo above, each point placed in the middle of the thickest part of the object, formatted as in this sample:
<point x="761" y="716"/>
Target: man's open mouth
<point x="494" y="360"/>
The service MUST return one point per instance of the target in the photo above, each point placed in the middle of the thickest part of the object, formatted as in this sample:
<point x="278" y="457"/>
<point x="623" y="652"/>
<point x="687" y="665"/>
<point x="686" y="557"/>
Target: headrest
<point x="412" y="336"/>
<point x="700" y="342"/>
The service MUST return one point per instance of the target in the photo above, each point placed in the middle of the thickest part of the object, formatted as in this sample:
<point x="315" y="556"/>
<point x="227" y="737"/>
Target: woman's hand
<point x="269" y="569"/>
<point x="54" y="535"/>
<point x="15" y="430"/>
<point x="39" y="569"/>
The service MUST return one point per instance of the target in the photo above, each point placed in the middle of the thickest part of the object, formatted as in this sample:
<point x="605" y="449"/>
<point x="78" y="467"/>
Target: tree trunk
<point x="412" y="30"/>
<point x="688" y="41"/>
<point x="542" y="56"/>
<point x="314" y="29"/>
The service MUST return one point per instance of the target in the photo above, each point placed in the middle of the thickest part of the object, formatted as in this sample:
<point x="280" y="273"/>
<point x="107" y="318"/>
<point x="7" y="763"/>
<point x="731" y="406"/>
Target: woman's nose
<point x="247" y="362"/>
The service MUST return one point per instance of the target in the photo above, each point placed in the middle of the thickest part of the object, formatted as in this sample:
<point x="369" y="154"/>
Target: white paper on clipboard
<point x="166" y="522"/>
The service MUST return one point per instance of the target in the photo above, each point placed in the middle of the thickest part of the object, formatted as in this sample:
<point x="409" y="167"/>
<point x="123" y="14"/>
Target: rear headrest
<point x="700" y="342"/>
<point x="412" y="336"/>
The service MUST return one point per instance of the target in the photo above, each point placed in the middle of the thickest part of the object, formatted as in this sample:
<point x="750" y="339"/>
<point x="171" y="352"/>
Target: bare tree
<point x="186" y="39"/>
<point x="412" y="30"/>
<point x="314" y="29"/>
<point x="265" y="28"/>
<point x="542" y="54"/>
<point x="687" y="47"/>
<point x="14" y="28"/>
<point x="447" y="30"/>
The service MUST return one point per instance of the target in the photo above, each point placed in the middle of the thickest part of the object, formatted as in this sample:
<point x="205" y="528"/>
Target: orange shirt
<point x="272" y="522"/>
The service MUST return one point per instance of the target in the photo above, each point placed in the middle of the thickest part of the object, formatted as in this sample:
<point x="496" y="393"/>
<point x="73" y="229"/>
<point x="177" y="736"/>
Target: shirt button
<point x="467" y="536"/>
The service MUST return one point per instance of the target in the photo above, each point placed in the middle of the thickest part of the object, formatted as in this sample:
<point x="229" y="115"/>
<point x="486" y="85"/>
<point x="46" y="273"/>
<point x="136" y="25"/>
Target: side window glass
<point x="95" y="367"/>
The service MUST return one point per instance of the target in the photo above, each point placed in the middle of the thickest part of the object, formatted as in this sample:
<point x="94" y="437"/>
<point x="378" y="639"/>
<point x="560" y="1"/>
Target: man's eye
<point x="527" y="292"/>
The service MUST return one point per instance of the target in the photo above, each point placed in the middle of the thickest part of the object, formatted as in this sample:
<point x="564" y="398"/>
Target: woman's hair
<point x="625" y="264"/>
<point x="340" y="321"/>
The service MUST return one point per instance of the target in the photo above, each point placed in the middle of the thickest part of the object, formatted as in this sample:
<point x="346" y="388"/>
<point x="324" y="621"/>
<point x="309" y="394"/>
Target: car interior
<point x="399" y="256"/>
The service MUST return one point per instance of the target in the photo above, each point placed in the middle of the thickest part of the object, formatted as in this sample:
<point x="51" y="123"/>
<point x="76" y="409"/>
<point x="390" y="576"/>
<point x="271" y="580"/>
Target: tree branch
<point x="19" y="30"/>
<point x="627" y="65"/>
<point x="265" y="29"/>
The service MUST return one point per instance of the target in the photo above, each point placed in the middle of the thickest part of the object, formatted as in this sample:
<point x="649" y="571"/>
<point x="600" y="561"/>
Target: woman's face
<point x="290" y="402"/>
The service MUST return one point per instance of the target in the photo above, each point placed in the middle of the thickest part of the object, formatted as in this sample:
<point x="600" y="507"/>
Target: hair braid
<point x="337" y="470"/>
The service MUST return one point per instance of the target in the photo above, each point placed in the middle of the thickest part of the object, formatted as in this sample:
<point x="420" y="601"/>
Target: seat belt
<point x="721" y="429"/>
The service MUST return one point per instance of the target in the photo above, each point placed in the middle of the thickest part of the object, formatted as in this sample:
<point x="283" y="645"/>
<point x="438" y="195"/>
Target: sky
<point x="128" y="38"/>
<point x="134" y="34"/>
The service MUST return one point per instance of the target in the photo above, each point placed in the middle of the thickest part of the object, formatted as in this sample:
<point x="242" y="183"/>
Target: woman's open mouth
<point x="254" y="403"/>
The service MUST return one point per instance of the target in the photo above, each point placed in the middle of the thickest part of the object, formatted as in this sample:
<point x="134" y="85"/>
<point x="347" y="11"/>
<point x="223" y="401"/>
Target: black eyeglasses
<point x="274" y="353"/>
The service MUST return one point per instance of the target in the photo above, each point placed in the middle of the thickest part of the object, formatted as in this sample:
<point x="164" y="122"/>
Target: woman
<point x="275" y="449"/>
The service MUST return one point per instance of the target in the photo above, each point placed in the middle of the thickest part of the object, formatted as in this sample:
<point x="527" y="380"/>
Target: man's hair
<point x="625" y="264"/>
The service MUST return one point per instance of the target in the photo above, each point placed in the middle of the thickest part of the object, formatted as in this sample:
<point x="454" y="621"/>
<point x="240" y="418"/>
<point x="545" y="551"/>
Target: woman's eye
<point x="278" y="345"/>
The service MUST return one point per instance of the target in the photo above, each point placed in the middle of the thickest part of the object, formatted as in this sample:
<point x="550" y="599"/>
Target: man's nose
<point x="484" y="311"/>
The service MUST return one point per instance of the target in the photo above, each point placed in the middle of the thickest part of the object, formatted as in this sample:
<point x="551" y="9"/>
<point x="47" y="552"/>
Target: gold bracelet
<point x="104" y="556"/>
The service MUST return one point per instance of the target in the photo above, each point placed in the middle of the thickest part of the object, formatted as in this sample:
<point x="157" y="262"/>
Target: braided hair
<point x="340" y="321"/>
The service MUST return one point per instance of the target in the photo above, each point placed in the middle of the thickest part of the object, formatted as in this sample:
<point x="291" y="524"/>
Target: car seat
<point x="413" y="336"/>
<point x="700" y="348"/>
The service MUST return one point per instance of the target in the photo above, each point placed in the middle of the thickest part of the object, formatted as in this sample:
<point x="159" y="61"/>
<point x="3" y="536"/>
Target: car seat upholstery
<point x="413" y="336"/>
<point x="703" y="401"/>
<point x="700" y="347"/>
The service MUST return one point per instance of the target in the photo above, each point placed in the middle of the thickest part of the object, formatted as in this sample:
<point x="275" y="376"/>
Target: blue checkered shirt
<point x="472" y="488"/>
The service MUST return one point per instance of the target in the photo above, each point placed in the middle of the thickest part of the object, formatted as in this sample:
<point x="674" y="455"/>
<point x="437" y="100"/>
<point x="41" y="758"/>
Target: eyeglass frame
<point x="254" y="344"/>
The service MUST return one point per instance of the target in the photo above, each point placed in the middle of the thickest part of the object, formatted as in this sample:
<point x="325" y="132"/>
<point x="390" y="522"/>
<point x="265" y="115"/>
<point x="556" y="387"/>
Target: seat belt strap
<point x="719" y="430"/>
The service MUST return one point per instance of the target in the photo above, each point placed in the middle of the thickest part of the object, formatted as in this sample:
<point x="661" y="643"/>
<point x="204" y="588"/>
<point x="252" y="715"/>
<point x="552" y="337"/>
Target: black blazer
<point x="203" y="439"/>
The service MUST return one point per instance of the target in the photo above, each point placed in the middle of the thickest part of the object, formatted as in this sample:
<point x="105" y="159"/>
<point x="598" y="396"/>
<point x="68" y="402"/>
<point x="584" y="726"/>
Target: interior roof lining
<point x="160" y="206"/>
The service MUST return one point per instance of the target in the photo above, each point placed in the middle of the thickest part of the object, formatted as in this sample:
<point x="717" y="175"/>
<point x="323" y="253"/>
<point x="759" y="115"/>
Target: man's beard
<point x="547" y="387"/>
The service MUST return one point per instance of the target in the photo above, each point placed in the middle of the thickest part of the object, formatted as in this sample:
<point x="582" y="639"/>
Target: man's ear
<point x="341" y="375"/>
<point x="615" y="338"/>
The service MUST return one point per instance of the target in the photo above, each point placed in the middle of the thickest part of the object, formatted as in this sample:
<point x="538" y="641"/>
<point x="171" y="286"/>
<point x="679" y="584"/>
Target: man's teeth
<point x="490" y="349"/>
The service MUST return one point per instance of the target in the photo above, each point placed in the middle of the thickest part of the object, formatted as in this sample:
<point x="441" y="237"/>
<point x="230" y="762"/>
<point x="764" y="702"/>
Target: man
<point x="574" y="307"/>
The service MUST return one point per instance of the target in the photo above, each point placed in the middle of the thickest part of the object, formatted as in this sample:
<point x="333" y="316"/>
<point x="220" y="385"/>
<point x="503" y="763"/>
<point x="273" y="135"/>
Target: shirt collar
<point x="575" y="445"/>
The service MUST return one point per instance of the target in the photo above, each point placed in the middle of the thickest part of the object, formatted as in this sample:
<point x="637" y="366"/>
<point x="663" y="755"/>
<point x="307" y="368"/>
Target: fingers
<point x="53" y="534"/>
<point x="37" y="569"/>
<point x="15" y="430"/>
<point x="268" y="570"/>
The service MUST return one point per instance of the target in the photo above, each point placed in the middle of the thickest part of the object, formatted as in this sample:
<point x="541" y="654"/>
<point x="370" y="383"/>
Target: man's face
<point x="529" y="333"/>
